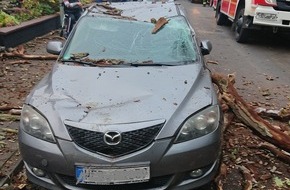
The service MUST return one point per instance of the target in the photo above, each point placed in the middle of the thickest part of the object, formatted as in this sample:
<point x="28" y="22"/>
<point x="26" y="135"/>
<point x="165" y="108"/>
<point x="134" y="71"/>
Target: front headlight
<point x="199" y="124"/>
<point x="35" y="124"/>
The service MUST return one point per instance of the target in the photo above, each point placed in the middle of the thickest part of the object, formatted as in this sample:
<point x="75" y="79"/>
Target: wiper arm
<point x="78" y="58"/>
<point x="94" y="62"/>
<point x="78" y="61"/>
<point x="146" y="63"/>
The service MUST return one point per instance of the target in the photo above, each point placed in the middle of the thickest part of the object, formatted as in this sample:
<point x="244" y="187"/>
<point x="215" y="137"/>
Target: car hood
<point x="107" y="96"/>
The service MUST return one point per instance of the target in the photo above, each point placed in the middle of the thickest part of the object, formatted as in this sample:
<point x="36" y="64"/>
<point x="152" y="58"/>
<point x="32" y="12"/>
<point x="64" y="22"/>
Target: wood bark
<point x="27" y="56"/>
<point x="281" y="115"/>
<point x="285" y="156"/>
<point x="247" y="115"/>
<point x="159" y="24"/>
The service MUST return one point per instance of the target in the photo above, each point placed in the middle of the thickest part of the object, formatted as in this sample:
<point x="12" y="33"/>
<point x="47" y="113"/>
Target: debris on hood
<point x="159" y="24"/>
<point x="153" y="20"/>
<point x="79" y="55"/>
<point x="110" y="10"/>
<point x="103" y="62"/>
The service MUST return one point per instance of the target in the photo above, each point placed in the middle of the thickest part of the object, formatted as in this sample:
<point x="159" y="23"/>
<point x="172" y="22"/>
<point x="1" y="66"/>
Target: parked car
<point x="127" y="105"/>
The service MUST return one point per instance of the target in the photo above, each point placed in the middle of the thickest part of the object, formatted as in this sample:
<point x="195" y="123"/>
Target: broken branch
<point x="32" y="57"/>
<point x="8" y="117"/>
<point x="19" y="62"/>
<point x="247" y="115"/>
<point x="285" y="156"/>
<point x="9" y="130"/>
<point x="247" y="176"/>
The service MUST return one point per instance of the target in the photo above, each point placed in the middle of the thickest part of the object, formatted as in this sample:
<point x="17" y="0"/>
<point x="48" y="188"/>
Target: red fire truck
<point x="247" y="15"/>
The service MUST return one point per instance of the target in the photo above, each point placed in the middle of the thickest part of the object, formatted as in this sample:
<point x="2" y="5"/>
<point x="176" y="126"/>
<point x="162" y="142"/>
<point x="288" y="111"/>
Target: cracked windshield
<point x="127" y="41"/>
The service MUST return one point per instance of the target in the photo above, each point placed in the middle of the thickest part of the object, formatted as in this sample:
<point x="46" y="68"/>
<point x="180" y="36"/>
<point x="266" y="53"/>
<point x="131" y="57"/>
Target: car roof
<point x="142" y="11"/>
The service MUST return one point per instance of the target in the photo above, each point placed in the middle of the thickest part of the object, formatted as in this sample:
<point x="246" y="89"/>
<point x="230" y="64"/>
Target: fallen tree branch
<point x="15" y="111"/>
<point x="9" y="130"/>
<point x="282" y="114"/>
<point x="27" y="56"/>
<point x="221" y="175"/>
<point x="212" y="62"/>
<point x="248" y="177"/>
<point x="228" y="118"/>
<point x="285" y="156"/>
<point x="19" y="62"/>
<point x="247" y="115"/>
<point x="8" y="117"/>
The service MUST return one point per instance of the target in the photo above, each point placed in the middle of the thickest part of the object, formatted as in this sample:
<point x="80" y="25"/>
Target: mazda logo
<point x="112" y="138"/>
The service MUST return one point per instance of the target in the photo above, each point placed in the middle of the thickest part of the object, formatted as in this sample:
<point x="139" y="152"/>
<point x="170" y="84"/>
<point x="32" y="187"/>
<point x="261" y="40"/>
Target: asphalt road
<point x="260" y="66"/>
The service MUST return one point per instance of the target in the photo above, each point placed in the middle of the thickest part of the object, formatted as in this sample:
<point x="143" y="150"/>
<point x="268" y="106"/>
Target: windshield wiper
<point x="78" y="61"/>
<point x="146" y="63"/>
<point x="81" y="58"/>
<point x="78" y="58"/>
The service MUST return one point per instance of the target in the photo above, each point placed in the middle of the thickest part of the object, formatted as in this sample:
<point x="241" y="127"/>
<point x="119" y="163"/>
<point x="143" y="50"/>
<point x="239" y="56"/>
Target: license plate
<point x="100" y="175"/>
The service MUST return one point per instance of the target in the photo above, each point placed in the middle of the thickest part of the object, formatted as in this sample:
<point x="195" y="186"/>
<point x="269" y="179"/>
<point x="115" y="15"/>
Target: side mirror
<point x="205" y="47"/>
<point x="54" y="47"/>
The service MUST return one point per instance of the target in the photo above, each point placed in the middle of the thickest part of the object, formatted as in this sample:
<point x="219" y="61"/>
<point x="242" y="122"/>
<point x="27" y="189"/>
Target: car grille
<point x="132" y="141"/>
<point x="155" y="182"/>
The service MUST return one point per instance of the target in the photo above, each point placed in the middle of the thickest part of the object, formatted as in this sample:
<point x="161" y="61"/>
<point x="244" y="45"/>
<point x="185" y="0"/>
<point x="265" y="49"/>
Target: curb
<point x="26" y="31"/>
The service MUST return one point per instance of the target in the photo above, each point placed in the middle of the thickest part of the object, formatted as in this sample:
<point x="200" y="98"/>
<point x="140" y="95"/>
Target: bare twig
<point x="248" y="177"/>
<point x="9" y="130"/>
<point x="20" y="62"/>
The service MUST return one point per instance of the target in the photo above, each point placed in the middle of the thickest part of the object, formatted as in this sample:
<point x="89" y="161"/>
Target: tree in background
<point x="24" y="10"/>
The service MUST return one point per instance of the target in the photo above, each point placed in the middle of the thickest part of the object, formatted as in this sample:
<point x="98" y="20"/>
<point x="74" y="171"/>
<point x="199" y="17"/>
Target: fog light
<point x="266" y="16"/>
<point x="196" y="173"/>
<point x="38" y="172"/>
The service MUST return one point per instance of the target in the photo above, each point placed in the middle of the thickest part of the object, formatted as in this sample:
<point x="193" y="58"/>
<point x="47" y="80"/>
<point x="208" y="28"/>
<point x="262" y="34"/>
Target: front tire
<point x="221" y="19"/>
<point x="241" y="33"/>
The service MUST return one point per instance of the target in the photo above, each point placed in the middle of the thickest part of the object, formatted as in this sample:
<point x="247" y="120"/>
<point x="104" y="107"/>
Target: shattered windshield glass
<point x="130" y="41"/>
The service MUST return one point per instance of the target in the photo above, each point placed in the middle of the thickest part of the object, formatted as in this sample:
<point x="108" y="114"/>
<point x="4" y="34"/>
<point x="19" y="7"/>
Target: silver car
<point x="127" y="105"/>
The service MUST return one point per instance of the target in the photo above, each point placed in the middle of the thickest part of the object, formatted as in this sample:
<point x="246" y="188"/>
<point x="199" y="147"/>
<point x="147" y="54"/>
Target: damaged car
<point x="129" y="104"/>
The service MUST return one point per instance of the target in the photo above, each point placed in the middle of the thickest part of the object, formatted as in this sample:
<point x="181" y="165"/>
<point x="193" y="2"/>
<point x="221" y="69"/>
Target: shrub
<point x="7" y="20"/>
<point x="35" y="8"/>
<point x="31" y="9"/>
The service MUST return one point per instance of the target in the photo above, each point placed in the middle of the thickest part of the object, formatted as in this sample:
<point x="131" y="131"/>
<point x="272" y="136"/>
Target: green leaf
<point x="287" y="181"/>
<point x="278" y="182"/>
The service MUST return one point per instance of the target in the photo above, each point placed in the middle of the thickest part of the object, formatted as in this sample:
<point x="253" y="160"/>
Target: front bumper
<point x="169" y="167"/>
<point x="281" y="18"/>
